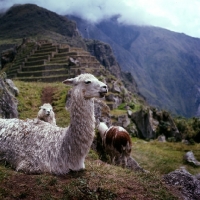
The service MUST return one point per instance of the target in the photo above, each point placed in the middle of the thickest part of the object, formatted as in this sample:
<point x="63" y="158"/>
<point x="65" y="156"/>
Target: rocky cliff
<point x="8" y="101"/>
<point x="104" y="54"/>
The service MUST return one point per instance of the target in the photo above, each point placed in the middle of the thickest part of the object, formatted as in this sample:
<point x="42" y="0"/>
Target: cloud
<point x="176" y="15"/>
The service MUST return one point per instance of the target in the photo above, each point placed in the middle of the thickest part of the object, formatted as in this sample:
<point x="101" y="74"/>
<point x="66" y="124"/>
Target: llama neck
<point x="102" y="129"/>
<point x="82" y="114"/>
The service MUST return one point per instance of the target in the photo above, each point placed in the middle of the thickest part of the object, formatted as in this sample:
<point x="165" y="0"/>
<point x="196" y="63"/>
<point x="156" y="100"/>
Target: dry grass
<point x="99" y="181"/>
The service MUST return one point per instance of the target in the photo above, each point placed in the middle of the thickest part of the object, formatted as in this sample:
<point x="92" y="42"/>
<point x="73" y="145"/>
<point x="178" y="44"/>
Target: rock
<point x="115" y="87"/>
<point x="133" y="165"/>
<point x="73" y="62"/>
<point x="144" y="126"/>
<point x="8" y="101"/>
<point x="161" y="138"/>
<point x="126" y="95"/>
<point x="12" y="87"/>
<point x="189" y="158"/>
<point x="123" y="121"/>
<point x="7" y="56"/>
<point x="185" y="141"/>
<point x="104" y="55"/>
<point x="167" y="126"/>
<point x="129" y="112"/>
<point x="112" y="105"/>
<point x="151" y="123"/>
<point x="198" y="176"/>
<point x="114" y="98"/>
<point x="102" y="112"/>
<point x="132" y="130"/>
<point x="188" y="184"/>
<point x="129" y="81"/>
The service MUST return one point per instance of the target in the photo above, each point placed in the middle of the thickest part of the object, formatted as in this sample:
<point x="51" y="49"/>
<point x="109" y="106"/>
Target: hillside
<point x="164" y="64"/>
<point x="32" y="21"/>
<point x="13" y="21"/>
<point x="100" y="180"/>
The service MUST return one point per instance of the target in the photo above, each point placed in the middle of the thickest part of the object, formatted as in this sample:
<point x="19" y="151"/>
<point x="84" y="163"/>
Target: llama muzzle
<point x="104" y="90"/>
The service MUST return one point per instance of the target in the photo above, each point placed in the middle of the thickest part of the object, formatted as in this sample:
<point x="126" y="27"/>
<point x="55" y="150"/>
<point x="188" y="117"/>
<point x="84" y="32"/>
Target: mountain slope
<point x="165" y="64"/>
<point x="12" y="22"/>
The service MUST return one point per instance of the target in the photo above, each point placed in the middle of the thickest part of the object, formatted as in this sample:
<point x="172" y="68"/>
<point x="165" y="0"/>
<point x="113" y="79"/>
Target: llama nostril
<point x="105" y="86"/>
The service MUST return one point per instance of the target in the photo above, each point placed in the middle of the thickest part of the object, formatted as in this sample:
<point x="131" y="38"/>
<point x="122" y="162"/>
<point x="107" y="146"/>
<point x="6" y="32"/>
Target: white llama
<point x="46" y="114"/>
<point x="34" y="146"/>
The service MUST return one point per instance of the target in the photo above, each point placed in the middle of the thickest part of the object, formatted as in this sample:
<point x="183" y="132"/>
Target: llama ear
<point x="70" y="81"/>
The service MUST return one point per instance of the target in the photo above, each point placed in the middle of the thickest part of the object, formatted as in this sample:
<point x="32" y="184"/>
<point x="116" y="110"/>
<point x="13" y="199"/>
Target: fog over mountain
<point x="177" y="15"/>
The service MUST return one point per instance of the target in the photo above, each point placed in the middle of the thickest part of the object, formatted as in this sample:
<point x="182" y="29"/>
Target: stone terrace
<point x="48" y="62"/>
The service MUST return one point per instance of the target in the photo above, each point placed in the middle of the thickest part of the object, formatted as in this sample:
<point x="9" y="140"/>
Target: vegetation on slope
<point x="189" y="128"/>
<point x="99" y="180"/>
<point x="14" y="19"/>
<point x="33" y="95"/>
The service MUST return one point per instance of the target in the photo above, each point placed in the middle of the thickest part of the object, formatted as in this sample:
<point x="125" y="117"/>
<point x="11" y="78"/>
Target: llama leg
<point x="118" y="160"/>
<point x="83" y="165"/>
<point x="27" y="167"/>
<point x="123" y="161"/>
<point x="22" y="166"/>
<point x="112" y="159"/>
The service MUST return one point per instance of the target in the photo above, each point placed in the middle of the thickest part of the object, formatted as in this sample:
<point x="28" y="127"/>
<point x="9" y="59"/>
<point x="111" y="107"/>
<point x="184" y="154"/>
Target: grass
<point x="10" y="41"/>
<point x="163" y="158"/>
<point x="29" y="99"/>
<point x="117" y="112"/>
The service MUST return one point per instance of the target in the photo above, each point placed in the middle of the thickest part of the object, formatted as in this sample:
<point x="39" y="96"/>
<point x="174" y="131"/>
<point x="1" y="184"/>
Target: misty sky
<point x="177" y="15"/>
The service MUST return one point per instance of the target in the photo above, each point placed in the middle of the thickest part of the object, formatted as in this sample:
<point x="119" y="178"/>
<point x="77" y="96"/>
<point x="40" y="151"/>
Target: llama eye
<point x="87" y="82"/>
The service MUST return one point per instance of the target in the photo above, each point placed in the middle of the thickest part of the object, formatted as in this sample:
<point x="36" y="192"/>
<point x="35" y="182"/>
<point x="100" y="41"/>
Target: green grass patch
<point x="163" y="158"/>
<point x="29" y="100"/>
<point x="117" y="112"/>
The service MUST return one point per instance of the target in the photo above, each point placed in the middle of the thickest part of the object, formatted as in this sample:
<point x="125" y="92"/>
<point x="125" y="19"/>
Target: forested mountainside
<point x="165" y="64"/>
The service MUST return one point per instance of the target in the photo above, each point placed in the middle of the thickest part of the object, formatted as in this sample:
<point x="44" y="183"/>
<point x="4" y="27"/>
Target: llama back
<point x="28" y="147"/>
<point x="119" y="139"/>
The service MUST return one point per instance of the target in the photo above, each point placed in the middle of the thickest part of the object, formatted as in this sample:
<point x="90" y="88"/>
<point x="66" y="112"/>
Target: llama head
<point x="46" y="109"/>
<point x="88" y="85"/>
<point x="102" y="128"/>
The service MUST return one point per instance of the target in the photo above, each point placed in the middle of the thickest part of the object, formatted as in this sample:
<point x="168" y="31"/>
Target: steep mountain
<point x="35" y="18"/>
<point x="165" y="64"/>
